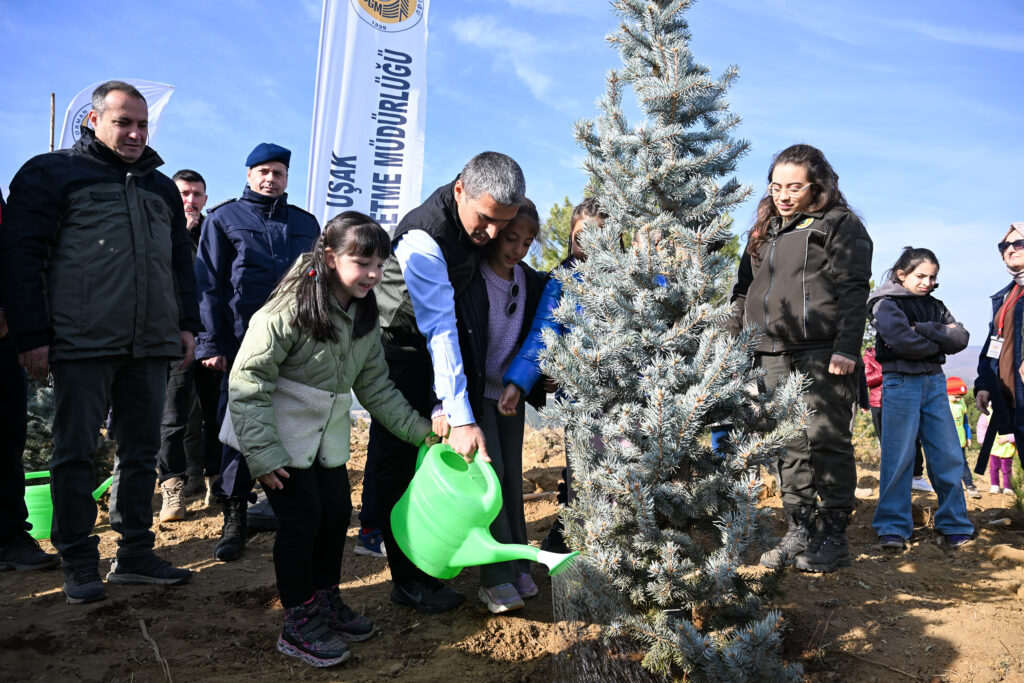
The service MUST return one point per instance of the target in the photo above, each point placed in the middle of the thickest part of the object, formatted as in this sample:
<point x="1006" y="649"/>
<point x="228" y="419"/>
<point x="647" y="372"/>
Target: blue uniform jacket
<point x="246" y="247"/>
<point x="524" y="371"/>
<point x="1004" y="418"/>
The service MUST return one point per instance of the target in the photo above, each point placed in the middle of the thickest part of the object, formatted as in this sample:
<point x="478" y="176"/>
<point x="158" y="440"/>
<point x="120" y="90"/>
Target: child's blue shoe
<point x="370" y="542"/>
<point x="891" y="543"/>
<point x="957" y="540"/>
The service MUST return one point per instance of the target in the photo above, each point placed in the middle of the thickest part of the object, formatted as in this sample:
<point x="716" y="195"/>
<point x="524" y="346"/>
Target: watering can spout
<point x="101" y="489"/>
<point x="481" y="548"/>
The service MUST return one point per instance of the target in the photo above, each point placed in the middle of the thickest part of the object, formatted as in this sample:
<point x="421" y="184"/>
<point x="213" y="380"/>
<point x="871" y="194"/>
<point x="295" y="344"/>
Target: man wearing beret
<point x="246" y="247"/>
<point x="99" y="292"/>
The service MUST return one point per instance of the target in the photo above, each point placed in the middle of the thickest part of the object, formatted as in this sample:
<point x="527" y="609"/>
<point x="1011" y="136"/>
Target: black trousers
<point x="135" y="390"/>
<point x="819" y="462"/>
<point x="172" y="457"/>
<point x="392" y="461"/>
<point x="314" y="509"/>
<point x="207" y="382"/>
<point x="13" y="423"/>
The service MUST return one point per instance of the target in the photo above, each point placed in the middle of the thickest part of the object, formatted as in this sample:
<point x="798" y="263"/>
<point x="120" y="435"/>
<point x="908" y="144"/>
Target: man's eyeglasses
<point x="513" y="293"/>
<point x="1018" y="245"/>
<point x="792" y="190"/>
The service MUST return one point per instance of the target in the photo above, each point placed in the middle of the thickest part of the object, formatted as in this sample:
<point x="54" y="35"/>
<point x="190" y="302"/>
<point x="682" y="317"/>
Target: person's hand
<point x="981" y="400"/>
<point x="439" y="425"/>
<point x="1003" y="438"/>
<point x="968" y="443"/>
<point x="188" y="346"/>
<point x="216" y="363"/>
<point x="431" y="439"/>
<point x="468" y="441"/>
<point x="272" y="480"/>
<point x="509" y="399"/>
<point x="550" y="385"/>
<point x="841" y="365"/>
<point x="36" y="361"/>
<point x="3" y="325"/>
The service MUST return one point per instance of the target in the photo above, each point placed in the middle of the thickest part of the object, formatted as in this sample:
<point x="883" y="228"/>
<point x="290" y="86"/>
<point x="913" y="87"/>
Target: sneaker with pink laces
<point x="526" y="587"/>
<point x="501" y="598"/>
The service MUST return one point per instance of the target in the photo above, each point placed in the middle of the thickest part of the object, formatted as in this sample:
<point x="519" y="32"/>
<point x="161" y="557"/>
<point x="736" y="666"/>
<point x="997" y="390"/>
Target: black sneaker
<point x="426" y="599"/>
<point x="306" y="636"/>
<point x="82" y="583"/>
<point x="22" y="553"/>
<point x="341" y="618"/>
<point x="150" y="570"/>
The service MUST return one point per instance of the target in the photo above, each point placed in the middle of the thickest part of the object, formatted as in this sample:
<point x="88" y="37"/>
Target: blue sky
<point x="918" y="105"/>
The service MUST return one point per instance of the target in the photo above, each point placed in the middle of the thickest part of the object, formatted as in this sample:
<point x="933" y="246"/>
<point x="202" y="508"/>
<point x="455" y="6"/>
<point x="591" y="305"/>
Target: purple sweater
<point x="502" y="329"/>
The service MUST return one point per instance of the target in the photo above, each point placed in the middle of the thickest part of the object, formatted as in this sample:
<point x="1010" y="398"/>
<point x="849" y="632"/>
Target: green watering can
<point x="40" y="505"/>
<point x="442" y="522"/>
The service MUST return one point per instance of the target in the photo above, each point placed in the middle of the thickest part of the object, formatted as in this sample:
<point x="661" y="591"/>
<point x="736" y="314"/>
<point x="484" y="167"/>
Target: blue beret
<point x="268" y="151"/>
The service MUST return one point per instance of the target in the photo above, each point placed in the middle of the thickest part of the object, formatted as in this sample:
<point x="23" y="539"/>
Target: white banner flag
<point x="156" y="94"/>
<point x="366" y="152"/>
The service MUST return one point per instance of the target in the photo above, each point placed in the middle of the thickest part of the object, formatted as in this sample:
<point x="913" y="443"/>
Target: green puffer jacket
<point x="289" y="394"/>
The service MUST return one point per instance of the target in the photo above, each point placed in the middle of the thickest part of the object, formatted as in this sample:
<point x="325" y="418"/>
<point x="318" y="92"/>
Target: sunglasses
<point x="513" y="293"/>
<point x="1018" y="245"/>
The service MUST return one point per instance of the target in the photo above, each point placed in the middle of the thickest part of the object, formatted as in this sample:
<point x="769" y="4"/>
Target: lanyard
<point x="1010" y="301"/>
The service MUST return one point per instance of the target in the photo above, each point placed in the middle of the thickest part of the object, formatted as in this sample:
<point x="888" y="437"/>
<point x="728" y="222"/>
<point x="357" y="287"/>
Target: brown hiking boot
<point x="172" y="508"/>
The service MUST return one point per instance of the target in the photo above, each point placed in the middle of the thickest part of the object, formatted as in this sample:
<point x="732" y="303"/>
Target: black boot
<point x="799" y="518"/>
<point x="828" y="550"/>
<point x="232" y="535"/>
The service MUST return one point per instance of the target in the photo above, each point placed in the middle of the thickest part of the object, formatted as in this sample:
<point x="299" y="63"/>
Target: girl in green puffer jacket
<point x="314" y="341"/>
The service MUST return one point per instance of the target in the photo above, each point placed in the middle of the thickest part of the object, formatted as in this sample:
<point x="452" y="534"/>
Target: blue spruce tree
<point x="648" y="368"/>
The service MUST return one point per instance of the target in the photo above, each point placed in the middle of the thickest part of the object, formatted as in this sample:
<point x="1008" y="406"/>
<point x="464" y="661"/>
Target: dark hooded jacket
<point x="96" y="259"/>
<point x="914" y="332"/>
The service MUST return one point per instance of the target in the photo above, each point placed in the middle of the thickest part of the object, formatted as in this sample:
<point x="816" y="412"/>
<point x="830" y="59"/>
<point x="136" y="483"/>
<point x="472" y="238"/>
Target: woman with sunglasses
<point x="803" y="284"/>
<point x="999" y="386"/>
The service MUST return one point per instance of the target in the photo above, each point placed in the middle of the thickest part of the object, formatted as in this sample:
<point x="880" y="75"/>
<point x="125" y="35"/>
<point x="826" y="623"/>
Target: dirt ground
<point x="929" y="614"/>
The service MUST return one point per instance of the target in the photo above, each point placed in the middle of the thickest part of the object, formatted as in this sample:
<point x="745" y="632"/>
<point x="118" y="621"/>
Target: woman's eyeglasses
<point x="790" y="190"/>
<point x="513" y="293"/>
<point x="1018" y="245"/>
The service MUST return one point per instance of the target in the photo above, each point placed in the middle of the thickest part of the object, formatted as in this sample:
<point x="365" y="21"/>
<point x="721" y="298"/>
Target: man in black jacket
<point x="18" y="550"/>
<point x="100" y="293"/>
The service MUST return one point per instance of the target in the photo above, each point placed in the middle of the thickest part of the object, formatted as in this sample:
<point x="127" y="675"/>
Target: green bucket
<point x="442" y="521"/>
<point x="40" y="505"/>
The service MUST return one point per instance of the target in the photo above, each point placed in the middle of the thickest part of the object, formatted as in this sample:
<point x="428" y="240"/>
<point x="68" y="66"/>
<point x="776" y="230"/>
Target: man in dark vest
<point x="438" y="247"/>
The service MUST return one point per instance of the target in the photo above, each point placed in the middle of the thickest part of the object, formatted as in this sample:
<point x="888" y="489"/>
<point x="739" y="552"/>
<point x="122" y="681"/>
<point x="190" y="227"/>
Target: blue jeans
<point x="917" y="405"/>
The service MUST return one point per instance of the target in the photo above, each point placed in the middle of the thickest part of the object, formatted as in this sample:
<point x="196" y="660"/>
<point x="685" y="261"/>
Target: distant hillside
<point x="964" y="365"/>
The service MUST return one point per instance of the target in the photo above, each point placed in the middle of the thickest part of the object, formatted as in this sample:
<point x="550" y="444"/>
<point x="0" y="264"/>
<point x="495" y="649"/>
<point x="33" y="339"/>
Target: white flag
<point x="366" y="152"/>
<point x="156" y="95"/>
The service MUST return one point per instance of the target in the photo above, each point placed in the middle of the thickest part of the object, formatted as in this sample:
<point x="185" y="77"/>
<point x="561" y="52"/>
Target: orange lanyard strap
<point x="1010" y="301"/>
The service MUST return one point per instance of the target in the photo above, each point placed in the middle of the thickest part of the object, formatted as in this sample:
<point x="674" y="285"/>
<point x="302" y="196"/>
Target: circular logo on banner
<point x="78" y="119"/>
<point x="389" y="15"/>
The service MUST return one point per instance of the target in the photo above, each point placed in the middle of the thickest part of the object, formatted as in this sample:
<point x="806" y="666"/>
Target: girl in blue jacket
<point x="915" y="332"/>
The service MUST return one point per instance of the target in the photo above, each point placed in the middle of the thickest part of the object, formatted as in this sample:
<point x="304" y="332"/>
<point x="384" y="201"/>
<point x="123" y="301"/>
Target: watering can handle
<point x="493" y="489"/>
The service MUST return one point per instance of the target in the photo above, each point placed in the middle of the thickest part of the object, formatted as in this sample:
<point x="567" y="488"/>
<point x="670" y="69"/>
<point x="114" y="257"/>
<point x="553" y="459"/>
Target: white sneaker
<point x="994" y="489"/>
<point x="1008" y="492"/>
<point x="921" y="484"/>
<point x="973" y="492"/>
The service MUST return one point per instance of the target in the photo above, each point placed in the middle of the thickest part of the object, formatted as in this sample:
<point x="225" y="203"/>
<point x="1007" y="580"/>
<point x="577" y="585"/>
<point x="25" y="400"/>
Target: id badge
<point x="995" y="347"/>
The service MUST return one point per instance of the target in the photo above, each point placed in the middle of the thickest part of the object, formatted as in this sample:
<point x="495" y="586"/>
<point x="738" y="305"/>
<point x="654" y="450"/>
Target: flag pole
<point x="52" y="119"/>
